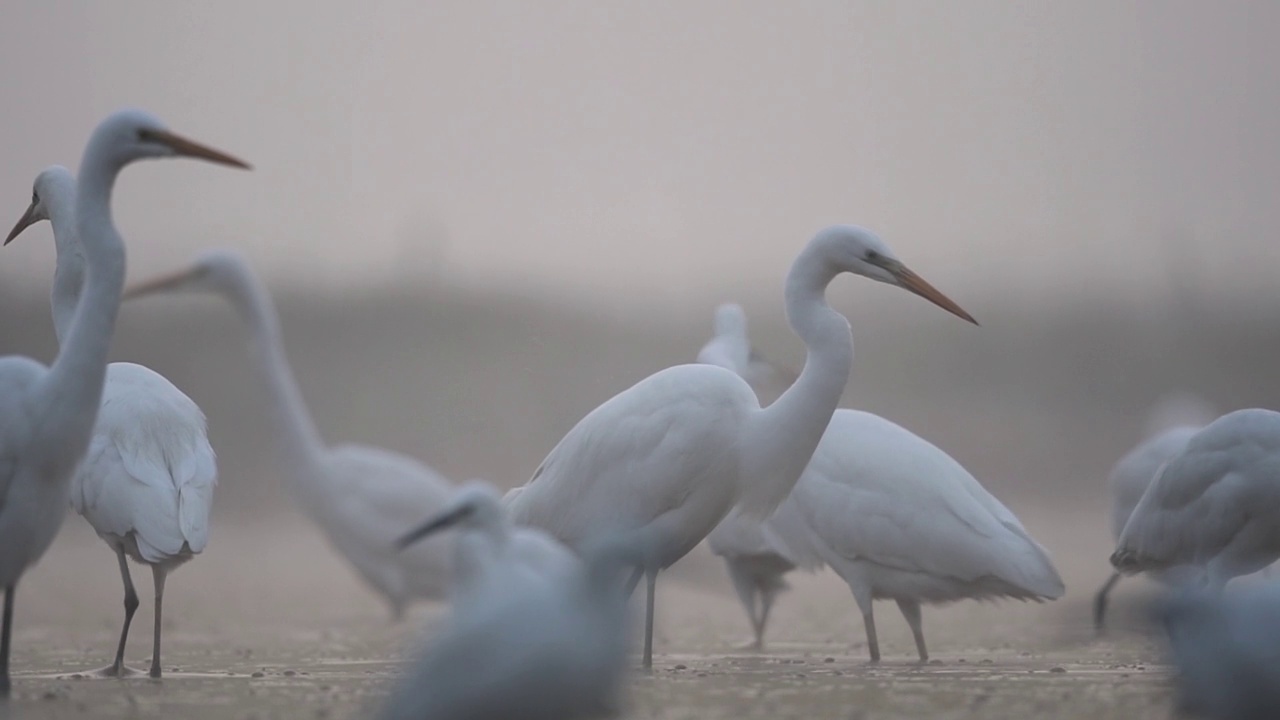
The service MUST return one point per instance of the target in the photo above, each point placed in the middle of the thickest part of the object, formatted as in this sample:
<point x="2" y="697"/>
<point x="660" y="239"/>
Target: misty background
<point x="481" y="220"/>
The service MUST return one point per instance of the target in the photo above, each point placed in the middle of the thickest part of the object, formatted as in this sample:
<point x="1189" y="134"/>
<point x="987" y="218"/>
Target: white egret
<point x="665" y="460"/>
<point x="899" y="519"/>
<point x="1170" y="425"/>
<point x="362" y="497"/>
<point x="488" y="545"/>
<point x="1213" y="512"/>
<point x="1226" y="648"/>
<point x="146" y="482"/>
<point x="47" y="414"/>
<point x="757" y="553"/>
<point x="524" y="647"/>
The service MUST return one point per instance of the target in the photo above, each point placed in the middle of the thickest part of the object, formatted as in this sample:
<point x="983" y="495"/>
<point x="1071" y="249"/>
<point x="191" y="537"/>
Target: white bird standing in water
<point x="47" y="415"/>
<point x="524" y="647"/>
<point x="758" y="554"/>
<point x="1172" y="422"/>
<point x="664" y="461"/>
<point x="362" y="497"/>
<point x="488" y="545"/>
<point x="899" y="519"/>
<point x="146" y="482"/>
<point x="1213" y="512"/>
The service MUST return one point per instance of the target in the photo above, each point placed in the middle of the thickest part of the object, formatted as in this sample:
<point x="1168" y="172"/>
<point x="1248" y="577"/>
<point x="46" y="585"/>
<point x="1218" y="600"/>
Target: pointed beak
<point x="916" y="284"/>
<point x="432" y="526"/>
<point x="159" y="283"/>
<point x="190" y="148"/>
<point x="27" y="220"/>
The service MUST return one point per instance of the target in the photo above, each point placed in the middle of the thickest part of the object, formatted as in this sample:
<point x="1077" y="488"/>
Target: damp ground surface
<point x="272" y="625"/>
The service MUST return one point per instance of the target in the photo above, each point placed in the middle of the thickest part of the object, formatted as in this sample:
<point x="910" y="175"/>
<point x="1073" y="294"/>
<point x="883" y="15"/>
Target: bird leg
<point x="1100" y="603"/>
<point x="157" y="575"/>
<point x="651" y="576"/>
<point x="766" y="604"/>
<point x="911" y="611"/>
<point x="4" y="642"/>
<point x="873" y="645"/>
<point x="117" y="668"/>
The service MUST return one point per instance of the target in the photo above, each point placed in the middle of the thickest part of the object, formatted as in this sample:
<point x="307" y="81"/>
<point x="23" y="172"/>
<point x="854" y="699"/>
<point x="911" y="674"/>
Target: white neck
<point x="300" y="447"/>
<point x="781" y="438"/>
<point x="72" y="390"/>
<point x="68" y="275"/>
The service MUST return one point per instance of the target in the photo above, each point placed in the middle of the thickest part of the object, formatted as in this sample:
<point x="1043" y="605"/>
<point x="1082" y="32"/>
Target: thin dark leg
<point x="1100" y="603"/>
<point x="911" y="611"/>
<point x="157" y="575"/>
<point x="651" y="591"/>
<point x="130" y="607"/>
<point x="4" y="642"/>
<point x="873" y="645"/>
<point x="766" y="604"/>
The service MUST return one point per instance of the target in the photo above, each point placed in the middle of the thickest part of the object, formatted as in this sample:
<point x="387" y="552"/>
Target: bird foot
<point x="113" y="671"/>
<point x="752" y="646"/>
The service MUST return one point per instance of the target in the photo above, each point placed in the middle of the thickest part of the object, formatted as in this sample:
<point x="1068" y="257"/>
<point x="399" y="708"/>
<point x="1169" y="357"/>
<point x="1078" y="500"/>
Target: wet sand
<point x="269" y="624"/>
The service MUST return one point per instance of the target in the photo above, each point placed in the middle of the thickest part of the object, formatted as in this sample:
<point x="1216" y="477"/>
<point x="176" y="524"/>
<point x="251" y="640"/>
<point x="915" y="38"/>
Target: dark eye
<point x="872" y="256"/>
<point x="35" y="199"/>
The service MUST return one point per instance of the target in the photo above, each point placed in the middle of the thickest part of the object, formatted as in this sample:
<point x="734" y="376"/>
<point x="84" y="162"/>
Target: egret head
<point x="218" y="271"/>
<point x="129" y="135"/>
<point x="859" y="251"/>
<point x="475" y="504"/>
<point x="54" y="185"/>
<point x="731" y="320"/>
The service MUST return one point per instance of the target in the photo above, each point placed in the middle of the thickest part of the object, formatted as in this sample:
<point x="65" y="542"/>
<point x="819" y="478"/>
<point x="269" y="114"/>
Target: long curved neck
<point x="68" y="275"/>
<point x="73" y="386"/>
<point x="781" y="438"/>
<point x="301" y="446"/>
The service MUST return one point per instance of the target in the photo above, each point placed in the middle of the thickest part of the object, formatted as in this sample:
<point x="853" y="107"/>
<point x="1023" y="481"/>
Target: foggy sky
<point x="614" y="150"/>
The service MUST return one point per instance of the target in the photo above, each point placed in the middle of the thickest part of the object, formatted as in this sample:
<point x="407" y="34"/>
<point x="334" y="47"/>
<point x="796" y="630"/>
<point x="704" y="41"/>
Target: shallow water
<point x="269" y="624"/>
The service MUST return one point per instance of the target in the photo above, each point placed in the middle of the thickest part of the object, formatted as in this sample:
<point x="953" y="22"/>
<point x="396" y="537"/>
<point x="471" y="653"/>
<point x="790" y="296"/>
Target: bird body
<point x="1214" y="510"/>
<point x="47" y="416"/>
<point x="521" y="646"/>
<point x="361" y="497"/>
<point x="146" y="482"/>
<point x="664" y="461"/>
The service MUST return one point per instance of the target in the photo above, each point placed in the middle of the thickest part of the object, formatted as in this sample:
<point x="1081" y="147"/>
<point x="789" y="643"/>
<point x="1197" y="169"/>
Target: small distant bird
<point x="1213" y="512"/>
<point x="523" y="647"/>
<point x="1170" y="424"/>
<point x="757" y="553"/>
<point x="146" y="483"/>
<point x="1227" y="651"/>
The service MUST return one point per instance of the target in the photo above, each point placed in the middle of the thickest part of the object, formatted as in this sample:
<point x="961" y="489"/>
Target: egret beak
<point x="431" y="526"/>
<point x="190" y="148"/>
<point x="27" y="220"/>
<point x="907" y="279"/>
<point x="159" y="283"/>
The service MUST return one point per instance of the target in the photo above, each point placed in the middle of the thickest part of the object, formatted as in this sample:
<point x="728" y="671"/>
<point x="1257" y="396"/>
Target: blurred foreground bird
<point x="47" y="415"/>
<point x="1170" y="424"/>
<point x="523" y="647"/>
<point x="1227" y="650"/>
<point x="488" y="546"/>
<point x="665" y="460"/>
<point x="1213" y="512"/>
<point x="362" y="497"/>
<point x="146" y="482"/>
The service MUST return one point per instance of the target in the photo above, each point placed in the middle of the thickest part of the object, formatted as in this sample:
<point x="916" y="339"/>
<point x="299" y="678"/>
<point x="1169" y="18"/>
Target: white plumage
<point x="664" y="461"/>
<point x="363" y="498"/>
<point x="146" y="482"/>
<point x="1213" y="512"/>
<point x="756" y="553"/>
<point x="1171" y="423"/>
<point x="47" y="416"/>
